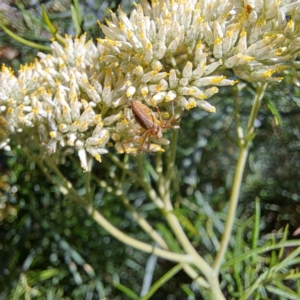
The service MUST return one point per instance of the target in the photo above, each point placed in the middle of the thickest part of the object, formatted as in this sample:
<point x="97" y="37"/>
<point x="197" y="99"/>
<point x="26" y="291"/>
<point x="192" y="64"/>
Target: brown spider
<point x="148" y="121"/>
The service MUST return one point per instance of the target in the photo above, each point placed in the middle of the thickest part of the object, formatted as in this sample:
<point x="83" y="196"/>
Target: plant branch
<point x="142" y="183"/>
<point x="67" y="189"/>
<point x="238" y="176"/>
<point x="124" y="238"/>
<point x="171" y="160"/>
<point x="24" y="41"/>
<point x="210" y="275"/>
<point x="146" y="226"/>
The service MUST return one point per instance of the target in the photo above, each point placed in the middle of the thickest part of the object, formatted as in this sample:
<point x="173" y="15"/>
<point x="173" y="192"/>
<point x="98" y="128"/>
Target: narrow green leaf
<point x="290" y="259"/>
<point x="24" y="41"/>
<point x="255" y="231"/>
<point x="273" y="256"/>
<point x="267" y="248"/>
<point x="151" y="170"/>
<point x="186" y="223"/>
<point x="187" y="290"/>
<point x="239" y="247"/>
<point x="36" y="276"/>
<point x="282" y="291"/>
<point x="284" y="238"/>
<point x="51" y="27"/>
<point x="127" y="291"/>
<point x="169" y="238"/>
<point x="78" y="12"/>
<point x="167" y="276"/>
<point x="272" y="108"/>
<point x="75" y="19"/>
<point x="293" y="276"/>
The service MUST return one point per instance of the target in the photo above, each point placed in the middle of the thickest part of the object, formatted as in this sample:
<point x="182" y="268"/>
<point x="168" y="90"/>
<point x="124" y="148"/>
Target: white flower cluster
<point x="169" y="55"/>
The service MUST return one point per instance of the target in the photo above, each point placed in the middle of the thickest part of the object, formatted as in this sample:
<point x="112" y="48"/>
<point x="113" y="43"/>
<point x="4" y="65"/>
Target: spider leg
<point x="164" y="124"/>
<point x="140" y="133"/>
<point x="132" y="127"/>
<point x="146" y="135"/>
<point x="172" y="120"/>
<point x="168" y="123"/>
<point x="159" y="115"/>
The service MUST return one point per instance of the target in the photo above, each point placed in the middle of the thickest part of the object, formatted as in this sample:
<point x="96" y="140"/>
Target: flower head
<point x="169" y="56"/>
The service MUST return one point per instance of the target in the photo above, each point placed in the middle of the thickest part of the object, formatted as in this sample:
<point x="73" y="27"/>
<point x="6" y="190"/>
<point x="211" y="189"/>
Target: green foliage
<point x="52" y="249"/>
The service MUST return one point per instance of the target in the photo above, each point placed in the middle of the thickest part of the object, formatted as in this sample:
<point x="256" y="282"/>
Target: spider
<point x="145" y="117"/>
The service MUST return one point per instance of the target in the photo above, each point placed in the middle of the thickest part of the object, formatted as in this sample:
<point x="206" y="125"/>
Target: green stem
<point x="163" y="280"/>
<point x="237" y="180"/>
<point x="175" y="225"/>
<point x="144" y="224"/>
<point x="76" y="17"/>
<point x="260" y="91"/>
<point x="124" y="238"/>
<point x="239" y="128"/>
<point x="138" y="179"/>
<point x="159" y="171"/>
<point x="166" y="179"/>
<point x="23" y="41"/>
<point x="67" y="189"/>
<point x="147" y="227"/>
<point x="210" y="275"/>
<point x="164" y="183"/>
<point x="51" y="27"/>
<point x="232" y="206"/>
<point x="171" y="160"/>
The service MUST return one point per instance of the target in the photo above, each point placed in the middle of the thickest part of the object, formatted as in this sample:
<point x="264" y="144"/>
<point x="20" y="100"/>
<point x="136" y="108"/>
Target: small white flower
<point x="171" y="55"/>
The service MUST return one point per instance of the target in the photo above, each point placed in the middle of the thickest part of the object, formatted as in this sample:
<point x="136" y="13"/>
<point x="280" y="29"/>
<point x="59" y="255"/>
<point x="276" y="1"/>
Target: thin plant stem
<point x="159" y="171"/>
<point x="24" y="41"/>
<point x="238" y="176"/>
<point x="170" y="172"/>
<point x="146" y="226"/>
<point x="171" y="160"/>
<point x="51" y="27"/>
<point x="239" y="128"/>
<point x="119" y="164"/>
<point x="210" y="275"/>
<point x="175" y="225"/>
<point x="260" y="92"/>
<point x="164" y="179"/>
<point x="243" y="154"/>
<point x="76" y="17"/>
<point x="195" y="276"/>
<point x="167" y="276"/>
<point x="67" y="189"/>
<point x="142" y="183"/>
<point x="124" y="238"/>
